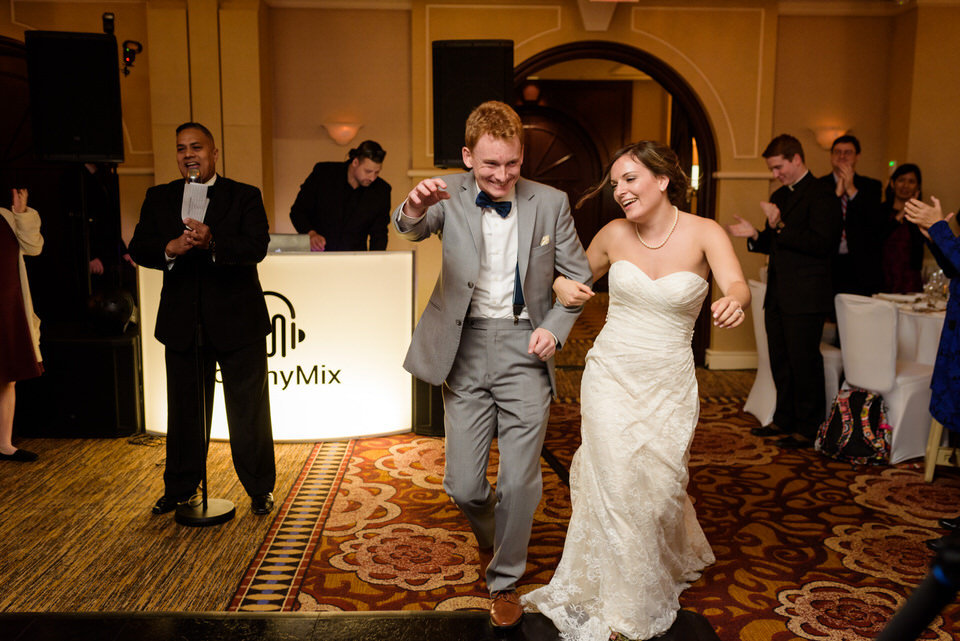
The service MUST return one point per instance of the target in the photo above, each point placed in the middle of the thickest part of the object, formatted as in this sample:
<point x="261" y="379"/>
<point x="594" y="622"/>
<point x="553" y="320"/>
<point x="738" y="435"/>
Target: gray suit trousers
<point x="496" y="389"/>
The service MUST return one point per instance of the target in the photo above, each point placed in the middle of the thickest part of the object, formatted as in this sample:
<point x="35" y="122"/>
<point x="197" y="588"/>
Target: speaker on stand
<point x="465" y="74"/>
<point x="91" y="386"/>
<point x="74" y="81"/>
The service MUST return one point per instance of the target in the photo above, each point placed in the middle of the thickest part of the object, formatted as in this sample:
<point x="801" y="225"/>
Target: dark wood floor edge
<point x="392" y="614"/>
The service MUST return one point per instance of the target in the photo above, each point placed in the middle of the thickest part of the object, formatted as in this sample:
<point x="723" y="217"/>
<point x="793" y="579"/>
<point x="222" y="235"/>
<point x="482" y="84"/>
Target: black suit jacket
<point x="864" y="227"/>
<point x="323" y="205"/>
<point x="221" y="289"/>
<point x="801" y="253"/>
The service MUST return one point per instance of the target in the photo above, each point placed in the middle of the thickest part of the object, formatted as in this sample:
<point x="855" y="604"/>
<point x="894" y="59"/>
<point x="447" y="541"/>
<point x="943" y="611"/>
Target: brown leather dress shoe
<point x="486" y="556"/>
<point x="505" y="609"/>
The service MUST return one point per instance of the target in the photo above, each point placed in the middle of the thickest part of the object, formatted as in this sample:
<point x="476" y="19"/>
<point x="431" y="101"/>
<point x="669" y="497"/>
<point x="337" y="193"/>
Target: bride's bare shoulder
<point x="614" y="231"/>
<point x="703" y="225"/>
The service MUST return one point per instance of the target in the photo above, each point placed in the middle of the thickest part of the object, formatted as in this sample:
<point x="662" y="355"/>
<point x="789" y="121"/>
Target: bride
<point x="633" y="543"/>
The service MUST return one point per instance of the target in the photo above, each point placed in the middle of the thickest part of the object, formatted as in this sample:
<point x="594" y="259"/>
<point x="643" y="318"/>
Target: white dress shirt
<point x="493" y="291"/>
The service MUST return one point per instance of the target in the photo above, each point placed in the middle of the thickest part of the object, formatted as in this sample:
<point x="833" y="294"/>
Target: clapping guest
<point x="945" y="383"/>
<point x="19" y="326"/>
<point x="801" y="233"/>
<point x="856" y="260"/>
<point x="902" y="254"/>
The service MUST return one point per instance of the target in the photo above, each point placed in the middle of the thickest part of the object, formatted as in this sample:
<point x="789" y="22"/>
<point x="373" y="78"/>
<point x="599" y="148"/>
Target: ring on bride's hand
<point x="740" y="311"/>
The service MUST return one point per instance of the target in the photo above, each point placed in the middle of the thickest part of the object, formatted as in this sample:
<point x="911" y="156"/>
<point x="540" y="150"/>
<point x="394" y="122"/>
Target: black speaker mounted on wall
<point x="465" y="74"/>
<point x="74" y="81"/>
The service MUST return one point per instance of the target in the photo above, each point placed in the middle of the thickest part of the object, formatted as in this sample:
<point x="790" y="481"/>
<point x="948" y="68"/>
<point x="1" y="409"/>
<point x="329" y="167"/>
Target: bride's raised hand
<point x="727" y="312"/>
<point x="571" y="292"/>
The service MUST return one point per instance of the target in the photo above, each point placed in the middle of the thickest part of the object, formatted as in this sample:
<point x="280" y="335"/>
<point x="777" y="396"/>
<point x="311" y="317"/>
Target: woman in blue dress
<point x="945" y="384"/>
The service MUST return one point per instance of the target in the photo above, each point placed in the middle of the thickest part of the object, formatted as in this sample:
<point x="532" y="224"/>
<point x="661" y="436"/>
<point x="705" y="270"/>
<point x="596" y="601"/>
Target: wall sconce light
<point x="342" y="132"/>
<point x="826" y="135"/>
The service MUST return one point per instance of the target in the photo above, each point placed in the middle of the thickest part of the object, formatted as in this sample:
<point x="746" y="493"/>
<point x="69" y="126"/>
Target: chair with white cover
<point x="832" y="373"/>
<point x="762" y="400"/>
<point x="868" y="343"/>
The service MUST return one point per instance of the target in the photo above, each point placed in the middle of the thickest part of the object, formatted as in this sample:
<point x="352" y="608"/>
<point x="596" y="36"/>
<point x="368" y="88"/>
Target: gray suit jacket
<point x="548" y="242"/>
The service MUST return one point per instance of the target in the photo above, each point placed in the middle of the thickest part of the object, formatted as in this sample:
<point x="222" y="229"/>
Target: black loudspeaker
<point x="90" y="388"/>
<point x="465" y="74"/>
<point x="427" y="409"/>
<point x="74" y="81"/>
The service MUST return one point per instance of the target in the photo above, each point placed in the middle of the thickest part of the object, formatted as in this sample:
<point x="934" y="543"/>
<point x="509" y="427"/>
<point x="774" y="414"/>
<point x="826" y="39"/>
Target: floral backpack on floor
<point x="856" y="430"/>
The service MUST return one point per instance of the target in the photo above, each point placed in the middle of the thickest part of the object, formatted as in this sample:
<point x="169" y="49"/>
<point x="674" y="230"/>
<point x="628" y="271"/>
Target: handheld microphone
<point x="193" y="175"/>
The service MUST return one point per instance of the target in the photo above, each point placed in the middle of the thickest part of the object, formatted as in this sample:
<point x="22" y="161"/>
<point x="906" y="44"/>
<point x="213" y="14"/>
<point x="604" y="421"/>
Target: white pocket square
<point x="545" y="240"/>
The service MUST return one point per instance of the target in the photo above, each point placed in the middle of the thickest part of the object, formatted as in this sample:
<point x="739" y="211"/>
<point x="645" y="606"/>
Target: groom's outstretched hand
<point x="428" y="192"/>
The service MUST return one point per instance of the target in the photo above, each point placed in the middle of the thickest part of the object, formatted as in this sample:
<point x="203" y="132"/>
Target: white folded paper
<point x="194" y="201"/>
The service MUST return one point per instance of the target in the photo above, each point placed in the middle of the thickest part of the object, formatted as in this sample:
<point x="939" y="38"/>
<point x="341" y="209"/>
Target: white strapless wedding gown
<point x="633" y="543"/>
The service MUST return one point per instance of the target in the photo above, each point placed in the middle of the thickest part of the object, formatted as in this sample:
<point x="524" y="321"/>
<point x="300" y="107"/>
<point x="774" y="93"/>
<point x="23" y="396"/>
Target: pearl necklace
<point x="669" y="233"/>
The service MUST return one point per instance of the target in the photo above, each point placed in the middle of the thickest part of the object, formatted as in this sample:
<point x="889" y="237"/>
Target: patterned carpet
<point x="806" y="547"/>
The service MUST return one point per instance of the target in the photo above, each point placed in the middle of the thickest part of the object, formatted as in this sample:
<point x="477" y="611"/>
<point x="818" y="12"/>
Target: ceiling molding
<point x="845" y="7"/>
<point x="380" y="5"/>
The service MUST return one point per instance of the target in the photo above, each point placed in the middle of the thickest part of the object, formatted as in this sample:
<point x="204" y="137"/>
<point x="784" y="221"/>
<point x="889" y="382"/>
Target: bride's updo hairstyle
<point x="659" y="159"/>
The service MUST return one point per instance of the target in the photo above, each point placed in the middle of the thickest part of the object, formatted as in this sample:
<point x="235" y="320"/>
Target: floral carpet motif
<point x="807" y="547"/>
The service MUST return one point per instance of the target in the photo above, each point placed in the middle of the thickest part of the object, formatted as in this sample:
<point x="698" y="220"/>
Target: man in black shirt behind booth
<point x="342" y="205"/>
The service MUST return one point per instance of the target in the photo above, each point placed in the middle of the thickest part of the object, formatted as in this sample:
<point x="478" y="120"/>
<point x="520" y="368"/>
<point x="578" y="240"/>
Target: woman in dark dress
<point x="19" y="326"/>
<point x="902" y="252"/>
<point x="945" y="383"/>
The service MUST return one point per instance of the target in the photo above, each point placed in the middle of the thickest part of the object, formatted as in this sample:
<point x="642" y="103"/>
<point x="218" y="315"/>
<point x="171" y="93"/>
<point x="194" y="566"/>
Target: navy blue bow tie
<point x="502" y="207"/>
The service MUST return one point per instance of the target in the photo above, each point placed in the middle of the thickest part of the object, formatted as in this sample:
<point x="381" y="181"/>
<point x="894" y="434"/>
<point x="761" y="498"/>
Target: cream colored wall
<point x="170" y="103"/>
<point x="900" y="86"/>
<point x="934" y="129"/>
<point x="842" y="81"/>
<point x="651" y="111"/>
<point x="338" y="66"/>
<point x="211" y="68"/>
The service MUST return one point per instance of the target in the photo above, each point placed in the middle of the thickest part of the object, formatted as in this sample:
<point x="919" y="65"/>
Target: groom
<point x="490" y="331"/>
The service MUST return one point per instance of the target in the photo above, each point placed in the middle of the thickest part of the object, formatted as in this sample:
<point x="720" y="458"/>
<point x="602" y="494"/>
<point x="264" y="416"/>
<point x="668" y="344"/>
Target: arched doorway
<point x="690" y="135"/>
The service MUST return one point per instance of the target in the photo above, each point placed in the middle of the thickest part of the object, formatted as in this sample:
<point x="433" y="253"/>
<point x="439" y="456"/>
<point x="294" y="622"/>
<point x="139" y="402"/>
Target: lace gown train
<point x="633" y="543"/>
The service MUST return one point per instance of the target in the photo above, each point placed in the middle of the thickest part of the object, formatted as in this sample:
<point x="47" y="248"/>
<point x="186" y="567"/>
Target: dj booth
<point x="341" y="327"/>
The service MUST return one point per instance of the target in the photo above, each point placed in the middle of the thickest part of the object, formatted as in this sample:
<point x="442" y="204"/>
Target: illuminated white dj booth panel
<point x="341" y="326"/>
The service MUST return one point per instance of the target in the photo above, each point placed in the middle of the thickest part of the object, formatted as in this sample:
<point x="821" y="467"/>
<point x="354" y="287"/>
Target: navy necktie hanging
<point x="517" y="296"/>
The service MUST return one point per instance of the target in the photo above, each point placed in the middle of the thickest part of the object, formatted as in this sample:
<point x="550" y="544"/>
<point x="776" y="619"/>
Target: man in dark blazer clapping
<point x="211" y="312"/>
<point x="801" y="235"/>
<point x="857" y="267"/>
